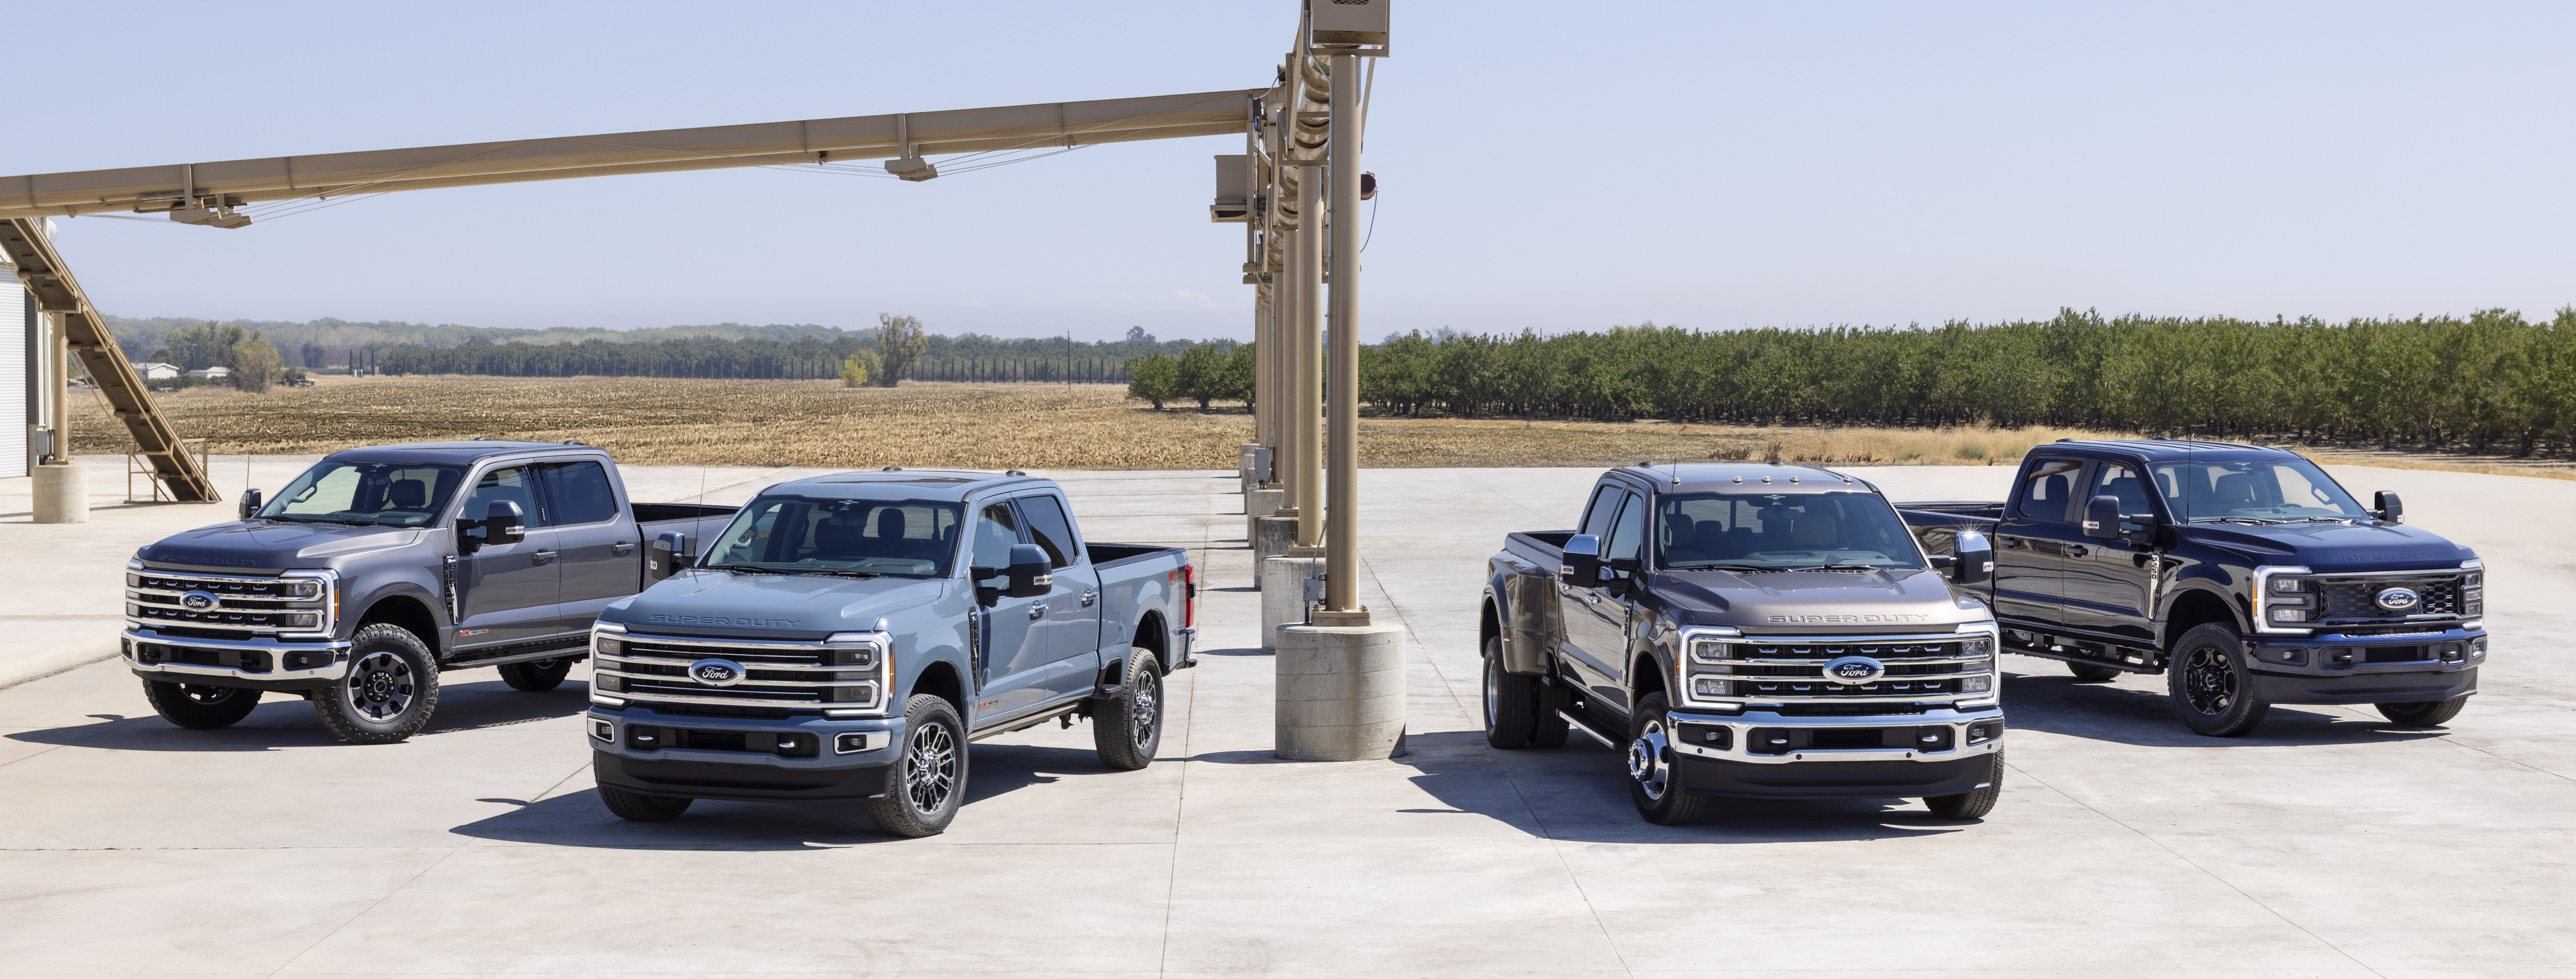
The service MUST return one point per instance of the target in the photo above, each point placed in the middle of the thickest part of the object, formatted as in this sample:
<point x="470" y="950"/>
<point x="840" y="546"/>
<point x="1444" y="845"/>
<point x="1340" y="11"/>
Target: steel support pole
<point x="58" y="380"/>
<point x="1283" y="461"/>
<point x="1342" y="533"/>
<point x="1307" y="269"/>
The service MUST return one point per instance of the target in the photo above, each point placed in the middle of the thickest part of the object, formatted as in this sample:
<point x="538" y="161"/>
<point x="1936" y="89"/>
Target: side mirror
<point x="250" y="503"/>
<point x="2139" y="529"/>
<point x="1976" y="558"/>
<point x="503" y="523"/>
<point x="1030" y="574"/>
<point x="670" y="553"/>
<point x="1582" y="561"/>
<point x="2102" y="517"/>
<point x="2384" y="504"/>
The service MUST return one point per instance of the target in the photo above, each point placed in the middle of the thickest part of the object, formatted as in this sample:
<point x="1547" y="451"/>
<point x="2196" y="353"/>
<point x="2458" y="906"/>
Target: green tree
<point x="899" y="345"/>
<point x="254" y="362"/>
<point x="1240" y="369"/>
<point x="1201" y="374"/>
<point x="859" y="366"/>
<point x="1156" y="379"/>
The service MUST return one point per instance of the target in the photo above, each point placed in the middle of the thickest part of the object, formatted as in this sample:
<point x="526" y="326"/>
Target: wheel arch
<point x="409" y="612"/>
<point x="939" y="678"/>
<point x="2195" y="607"/>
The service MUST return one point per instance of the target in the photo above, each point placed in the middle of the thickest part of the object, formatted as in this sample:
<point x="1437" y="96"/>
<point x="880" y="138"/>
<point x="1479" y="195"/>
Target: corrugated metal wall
<point x="17" y="357"/>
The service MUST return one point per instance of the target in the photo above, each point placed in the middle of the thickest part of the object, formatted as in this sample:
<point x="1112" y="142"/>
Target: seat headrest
<point x="407" y="494"/>
<point x="1818" y="528"/>
<point x="890" y="523"/>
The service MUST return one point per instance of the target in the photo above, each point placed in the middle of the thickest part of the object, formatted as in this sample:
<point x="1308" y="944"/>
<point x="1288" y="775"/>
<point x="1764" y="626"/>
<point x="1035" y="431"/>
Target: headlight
<point x="2284" y="601"/>
<point x="302" y="620"/>
<point x="860" y="690"/>
<point x="1708" y="670"/>
<point x="607" y="638"/>
<point x="1977" y="684"/>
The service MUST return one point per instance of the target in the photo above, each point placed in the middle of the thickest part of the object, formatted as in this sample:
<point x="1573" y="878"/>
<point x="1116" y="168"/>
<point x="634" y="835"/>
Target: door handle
<point x="1036" y="610"/>
<point x="621" y="547"/>
<point x="545" y="556"/>
<point x="2013" y="543"/>
<point x="2075" y="550"/>
<point x="1088" y="597"/>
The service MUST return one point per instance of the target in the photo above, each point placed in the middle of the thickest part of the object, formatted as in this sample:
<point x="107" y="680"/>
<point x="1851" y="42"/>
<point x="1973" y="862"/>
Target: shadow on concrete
<point x="2127" y="715"/>
<point x="1246" y="651"/>
<point x="580" y="819"/>
<point x="286" y="721"/>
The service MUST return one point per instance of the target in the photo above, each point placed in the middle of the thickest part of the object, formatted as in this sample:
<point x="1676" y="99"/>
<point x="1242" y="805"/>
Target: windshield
<point x="385" y="493"/>
<point x="798" y="535"/>
<point x="1779" y="532"/>
<point x="2264" y="491"/>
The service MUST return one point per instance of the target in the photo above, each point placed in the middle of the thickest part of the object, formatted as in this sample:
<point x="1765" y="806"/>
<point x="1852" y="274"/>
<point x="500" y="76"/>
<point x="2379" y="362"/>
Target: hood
<point x="802" y="606"/>
<point x="2331" y="547"/>
<point x="1890" y="599"/>
<point x="274" y="545"/>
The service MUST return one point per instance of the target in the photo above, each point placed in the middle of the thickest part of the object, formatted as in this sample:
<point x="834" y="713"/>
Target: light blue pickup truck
<point x="847" y="636"/>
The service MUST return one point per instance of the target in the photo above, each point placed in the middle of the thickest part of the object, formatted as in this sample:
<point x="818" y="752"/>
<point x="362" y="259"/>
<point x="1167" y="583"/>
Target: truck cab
<point x="1747" y="630"/>
<point x="379" y="568"/>
<point x="2244" y="574"/>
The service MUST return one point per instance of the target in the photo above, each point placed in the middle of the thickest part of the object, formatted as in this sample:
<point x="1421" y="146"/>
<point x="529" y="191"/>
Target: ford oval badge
<point x="198" y="601"/>
<point x="1852" y="671"/>
<point x="2398" y="599"/>
<point x="717" y="672"/>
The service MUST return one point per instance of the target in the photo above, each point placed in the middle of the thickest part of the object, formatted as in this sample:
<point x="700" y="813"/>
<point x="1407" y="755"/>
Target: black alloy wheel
<point x="198" y="706"/>
<point x="389" y="693"/>
<point x="2211" y="689"/>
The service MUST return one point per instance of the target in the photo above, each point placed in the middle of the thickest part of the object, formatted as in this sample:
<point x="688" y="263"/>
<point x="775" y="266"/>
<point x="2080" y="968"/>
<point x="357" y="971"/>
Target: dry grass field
<point x="668" y="421"/>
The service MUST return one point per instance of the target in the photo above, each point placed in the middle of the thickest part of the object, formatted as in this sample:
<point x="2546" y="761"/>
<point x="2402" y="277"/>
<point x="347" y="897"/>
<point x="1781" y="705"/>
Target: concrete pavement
<point x="2328" y="843"/>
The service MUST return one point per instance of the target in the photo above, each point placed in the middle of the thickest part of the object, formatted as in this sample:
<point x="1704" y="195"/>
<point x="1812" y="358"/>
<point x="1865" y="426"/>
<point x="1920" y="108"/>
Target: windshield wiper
<point x="1840" y="567"/>
<point x="772" y="569"/>
<point x="2257" y="521"/>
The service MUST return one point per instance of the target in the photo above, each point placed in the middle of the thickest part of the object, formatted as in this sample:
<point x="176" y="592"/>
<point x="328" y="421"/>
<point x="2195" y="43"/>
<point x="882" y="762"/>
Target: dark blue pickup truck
<point x="2244" y="574"/>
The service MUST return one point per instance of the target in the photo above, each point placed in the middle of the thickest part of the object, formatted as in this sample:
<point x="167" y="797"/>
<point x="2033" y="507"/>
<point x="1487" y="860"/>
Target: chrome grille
<point x="233" y="604"/>
<point x="1767" y="670"/>
<point x="794" y="675"/>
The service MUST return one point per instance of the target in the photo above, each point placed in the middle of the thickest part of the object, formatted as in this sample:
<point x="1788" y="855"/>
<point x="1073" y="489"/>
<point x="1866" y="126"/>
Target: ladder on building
<point x="56" y="292"/>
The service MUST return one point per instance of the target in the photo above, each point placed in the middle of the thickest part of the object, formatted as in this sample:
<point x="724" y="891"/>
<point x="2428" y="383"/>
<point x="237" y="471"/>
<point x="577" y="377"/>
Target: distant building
<point x="153" y="370"/>
<point x="215" y="373"/>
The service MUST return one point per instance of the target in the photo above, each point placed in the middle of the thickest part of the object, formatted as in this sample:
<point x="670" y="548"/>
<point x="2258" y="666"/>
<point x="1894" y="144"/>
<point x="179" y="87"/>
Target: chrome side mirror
<point x="1975" y="562"/>
<point x="1582" y="568"/>
<point x="2102" y="517"/>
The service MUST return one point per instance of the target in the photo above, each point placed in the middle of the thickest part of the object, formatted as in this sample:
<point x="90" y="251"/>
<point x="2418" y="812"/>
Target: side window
<point x="995" y="532"/>
<point x="1605" y="505"/>
<point x="1047" y="524"/>
<point x="2122" y="482"/>
<point x="2046" y="491"/>
<point x="512" y="483"/>
<point x="578" y="493"/>
<point x="1628" y="536"/>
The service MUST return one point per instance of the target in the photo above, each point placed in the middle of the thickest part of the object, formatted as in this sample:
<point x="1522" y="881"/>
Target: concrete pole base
<point x="61" y="492"/>
<point x="1258" y="504"/>
<point x="1283" y="594"/>
<point x="1341" y="692"/>
<point x="1271" y="537"/>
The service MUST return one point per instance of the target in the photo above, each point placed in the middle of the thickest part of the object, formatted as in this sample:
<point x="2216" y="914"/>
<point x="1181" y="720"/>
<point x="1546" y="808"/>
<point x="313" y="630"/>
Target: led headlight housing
<point x="1707" y="667"/>
<point x="2285" y="602"/>
<point x="864" y="664"/>
<point x="1978" y="661"/>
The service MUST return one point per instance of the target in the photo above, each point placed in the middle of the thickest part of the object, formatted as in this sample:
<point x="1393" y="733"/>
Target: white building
<point x="153" y="370"/>
<point x="215" y="373"/>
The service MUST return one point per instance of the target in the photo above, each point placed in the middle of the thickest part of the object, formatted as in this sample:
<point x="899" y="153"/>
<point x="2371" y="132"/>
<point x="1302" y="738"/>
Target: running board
<point x="1025" y="723"/>
<point x="2086" y="658"/>
<point x="1586" y="727"/>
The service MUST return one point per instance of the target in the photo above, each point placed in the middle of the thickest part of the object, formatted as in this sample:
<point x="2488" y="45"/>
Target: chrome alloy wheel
<point x="380" y="685"/>
<point x="1493" y="690"/>
<point x="2208" y="680"/>
<point x="930" y="768"/>
<point x="1646" y="760"/>
<point x="1146" y="710"/>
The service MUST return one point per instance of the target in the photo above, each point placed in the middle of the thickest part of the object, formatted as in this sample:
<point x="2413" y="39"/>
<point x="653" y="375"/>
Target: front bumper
<point x="2340" y="669"/>
<point x="1757" y="754"/>
<point x="250" y="664"/>
<point x="643" y="750"/>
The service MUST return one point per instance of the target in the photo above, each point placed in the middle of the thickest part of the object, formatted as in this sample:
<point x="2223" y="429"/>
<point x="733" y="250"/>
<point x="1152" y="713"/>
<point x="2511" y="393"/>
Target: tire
<point x="2089" y="673"/>
<point x="1653" y="784"/>
<point x="391" y="689"/>
<point x="1551" y="729"/>
<point x="643" y="808"/>
<point x="1511" y="702"/>
<point x="1974" y="803"/>
<point x="2430" y="713"/>
<point x="198" y="707"/>
<point x="536" y="676"/>
<point x="1128" y="729"/>
<point x="2211" y="690"/>
<point x="927" y="782"/>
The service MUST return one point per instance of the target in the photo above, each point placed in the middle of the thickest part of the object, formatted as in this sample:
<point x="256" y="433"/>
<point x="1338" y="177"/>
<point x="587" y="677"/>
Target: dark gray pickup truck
<point x="1748" y="630"/>
<point x="380" y="568"/>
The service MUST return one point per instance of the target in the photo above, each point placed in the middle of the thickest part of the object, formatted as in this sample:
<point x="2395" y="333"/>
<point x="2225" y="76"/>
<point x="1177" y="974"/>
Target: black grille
<point x="712" y="710"/>
<point x="2356" y="598"/>
<point x="1845" y="710"/>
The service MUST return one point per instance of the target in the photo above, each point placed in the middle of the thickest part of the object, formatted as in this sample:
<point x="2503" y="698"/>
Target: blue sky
<point x="1548" y="166"/>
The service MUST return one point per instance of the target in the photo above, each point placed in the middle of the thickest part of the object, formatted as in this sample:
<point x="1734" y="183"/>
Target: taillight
<point x="1190" y="593"/>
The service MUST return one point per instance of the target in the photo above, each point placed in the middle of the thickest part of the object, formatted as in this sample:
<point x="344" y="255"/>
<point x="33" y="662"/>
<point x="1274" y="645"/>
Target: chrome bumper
<point x="1742" y="725"/>
<point x="337" y="669"/>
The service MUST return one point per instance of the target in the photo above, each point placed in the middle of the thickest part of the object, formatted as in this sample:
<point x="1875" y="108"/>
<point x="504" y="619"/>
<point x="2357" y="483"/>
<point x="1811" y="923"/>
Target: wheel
<point x="643" y="808"/>
<point x="1974" y="803"/>
<point x="1652" y="782"/>
<point x="926" y="785"/>
<point x="200" y="707"/>
<point x="1511" y="702"/>
<point x="2211" y="690"/>
<point x="2089" y="673"/>
<point x="1128" y="728"/>
<point x="392" y="687"/>
<point x="2430" y="713"/>
<point x="537" y="674"/>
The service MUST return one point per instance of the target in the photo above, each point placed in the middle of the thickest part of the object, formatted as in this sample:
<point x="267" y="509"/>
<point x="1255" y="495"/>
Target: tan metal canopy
<point x="235" y="182"/>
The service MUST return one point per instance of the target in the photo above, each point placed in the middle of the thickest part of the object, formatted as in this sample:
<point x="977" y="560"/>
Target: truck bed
<point x="1937" y="524"/>
<point x="1545" y="548"/>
